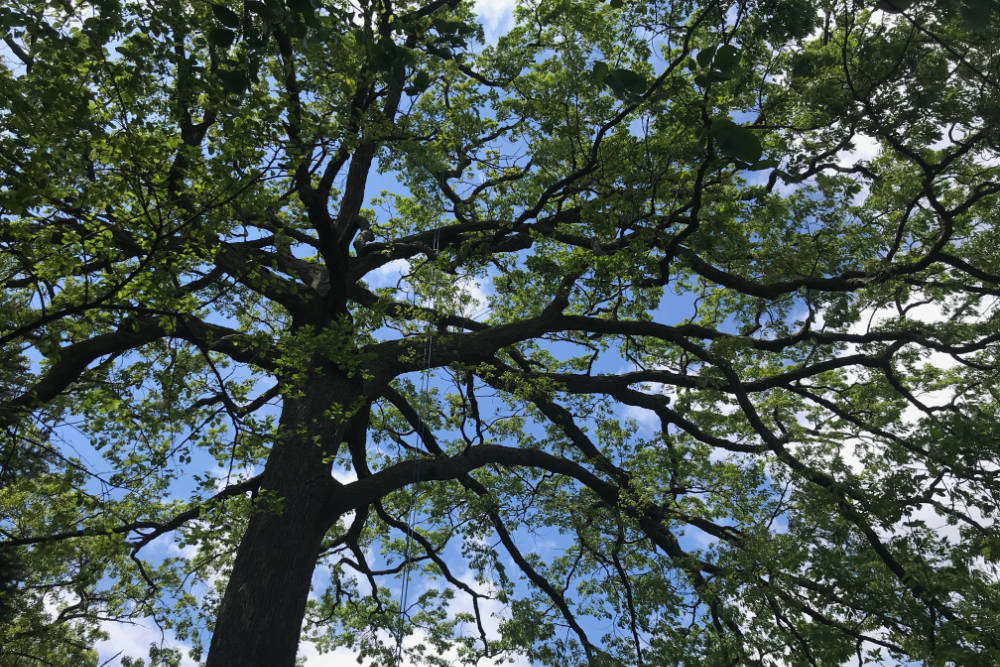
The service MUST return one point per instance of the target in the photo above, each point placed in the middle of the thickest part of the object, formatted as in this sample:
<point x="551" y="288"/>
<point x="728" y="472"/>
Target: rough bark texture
<point x="271" y="576"/>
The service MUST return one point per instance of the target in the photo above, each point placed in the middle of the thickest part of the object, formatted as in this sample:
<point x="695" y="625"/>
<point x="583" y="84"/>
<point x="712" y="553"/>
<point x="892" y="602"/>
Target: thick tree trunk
<point x="260" y="617"/>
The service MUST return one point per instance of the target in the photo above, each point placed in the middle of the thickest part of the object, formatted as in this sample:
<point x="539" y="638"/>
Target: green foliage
<point x="670" y="339"/>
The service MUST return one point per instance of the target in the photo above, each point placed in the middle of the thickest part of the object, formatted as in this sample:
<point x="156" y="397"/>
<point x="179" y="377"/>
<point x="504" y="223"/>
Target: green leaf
<point x="893" y="6"/>
<point x="385" y="54"/>
<point x="736" y="140"/>
<point x="705" y="56"/>
<point x="226" y="16"/>
<point x="421" y="81"/>
<point x="726" y="57"/>
<point x="989" y="548"/>
<point x="446" y="27"/>
<point x="257" y="39"/>
<point x="624" y="83"/>
<point x="233" y="81"/>
<point x="259" y="8"/>
<point x="720" y="75"/>
<point x="977" y="14"/>
<point x="600" y="71"/>
<point x="763" y="164"/>
<point x="221" y="37"/>
<point x="616" y="86"/>
<point x="633" y="82"/>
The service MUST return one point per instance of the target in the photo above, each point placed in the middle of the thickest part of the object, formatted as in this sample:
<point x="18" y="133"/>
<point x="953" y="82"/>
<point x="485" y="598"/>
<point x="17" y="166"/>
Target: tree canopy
<point x="635" y="333"/>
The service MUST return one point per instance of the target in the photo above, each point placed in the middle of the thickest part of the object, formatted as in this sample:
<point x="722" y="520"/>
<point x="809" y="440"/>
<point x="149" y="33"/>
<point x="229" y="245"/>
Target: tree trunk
<point x="261" y="614"/>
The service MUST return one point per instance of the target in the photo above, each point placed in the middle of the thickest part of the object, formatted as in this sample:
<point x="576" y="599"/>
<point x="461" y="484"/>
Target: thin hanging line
<point x="421" y="431"/>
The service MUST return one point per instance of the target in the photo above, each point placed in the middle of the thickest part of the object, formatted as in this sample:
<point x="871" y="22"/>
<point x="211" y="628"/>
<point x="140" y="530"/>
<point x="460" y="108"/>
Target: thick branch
<point x="74" y="359"/>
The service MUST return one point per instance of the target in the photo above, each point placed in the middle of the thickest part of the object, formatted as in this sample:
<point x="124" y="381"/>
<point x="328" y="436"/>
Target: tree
<point x="739" y="363"/>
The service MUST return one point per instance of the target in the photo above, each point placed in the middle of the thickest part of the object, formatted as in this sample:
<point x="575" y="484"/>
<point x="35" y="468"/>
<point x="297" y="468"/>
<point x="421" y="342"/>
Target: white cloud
<point x="646" y="419"/>
<point x="470" y="297"/>
<point x="345" y="475"/>
<point x="496" y="15"/>
<point x="340" y="657"/>
<point x="865" y="148"/>
<point x="133" y="640"/>
<point x="389" y="274"/>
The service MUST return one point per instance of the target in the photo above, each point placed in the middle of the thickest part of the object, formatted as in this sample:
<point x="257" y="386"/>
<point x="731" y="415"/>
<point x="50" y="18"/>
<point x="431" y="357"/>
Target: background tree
<point x="738" y="365"/>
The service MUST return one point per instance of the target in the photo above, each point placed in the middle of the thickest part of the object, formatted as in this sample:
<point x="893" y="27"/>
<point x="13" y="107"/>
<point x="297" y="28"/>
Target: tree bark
<point x="260" y="618"/>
